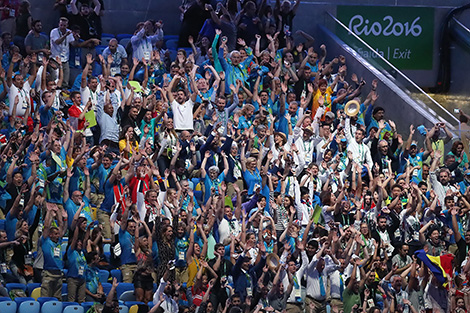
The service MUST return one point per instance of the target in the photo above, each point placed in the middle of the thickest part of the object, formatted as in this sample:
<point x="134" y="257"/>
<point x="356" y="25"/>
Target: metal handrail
<point x="393" y="67"/>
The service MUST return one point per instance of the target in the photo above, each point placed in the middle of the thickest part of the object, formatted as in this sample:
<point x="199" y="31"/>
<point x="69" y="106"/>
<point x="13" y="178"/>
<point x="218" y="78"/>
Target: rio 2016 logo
<point x="360" y="26"/>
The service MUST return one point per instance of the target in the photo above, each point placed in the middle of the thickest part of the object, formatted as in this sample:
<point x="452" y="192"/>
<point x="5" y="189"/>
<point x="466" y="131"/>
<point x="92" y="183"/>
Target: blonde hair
<point x="247" y="107"/>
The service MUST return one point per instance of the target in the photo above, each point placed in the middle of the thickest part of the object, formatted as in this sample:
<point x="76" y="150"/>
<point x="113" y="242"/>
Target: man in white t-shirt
<point x="18" y="87"/>
<point x="61" y="38"/>
<point x="182" y="105"/>
<point x="90" y="87"/>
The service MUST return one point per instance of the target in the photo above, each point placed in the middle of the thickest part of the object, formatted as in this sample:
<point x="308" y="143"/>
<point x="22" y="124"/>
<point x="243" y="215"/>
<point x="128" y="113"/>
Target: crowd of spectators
<point x="248" y="171"/>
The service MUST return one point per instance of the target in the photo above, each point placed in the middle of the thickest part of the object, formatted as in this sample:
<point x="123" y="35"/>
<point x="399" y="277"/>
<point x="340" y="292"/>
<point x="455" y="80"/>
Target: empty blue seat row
<point x="32" y="306"/>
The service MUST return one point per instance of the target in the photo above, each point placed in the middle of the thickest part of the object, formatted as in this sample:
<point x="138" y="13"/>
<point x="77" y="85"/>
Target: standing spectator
<point x="193" y="19"/>
<point x="87" y="19"/>
<point x="50" y="243"/>
<point x="144" y="40"/>
<point x="7" y="19"/>
<point x="61" y="39"/>
<point x="38" y="43"/>
<point x="19" y="89"/>
<point x="23" y="25"/>
<point x="182" y="105"/>
<point x="127" y="240"/>
<point x="76" y="284"/>
<point x="118" y="54"/>
<point x="287" y="11"/>
<point x="249" y="24"/>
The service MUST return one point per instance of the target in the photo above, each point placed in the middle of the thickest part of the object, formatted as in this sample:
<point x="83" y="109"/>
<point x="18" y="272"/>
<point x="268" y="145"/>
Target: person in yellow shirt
<point x="128" y="142"/>
<point x="323" y="96"/>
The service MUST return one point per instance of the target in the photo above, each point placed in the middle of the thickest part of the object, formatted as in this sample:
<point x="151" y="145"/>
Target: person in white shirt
<point x="166" y="291"/>
<point x="360" y="151"/>
<point x="145" y="39"/>
<point x="61" y="38"/>
<point x="317" y="275"/>
<point x="51" y="84"/>
<point x="19" y="88"/>
<point x="442" y="184"/>
<point x="182" y="105"/>
<point x="91" y="90"/>
<point x="118" y="53"/>
<point x="295" y="300"/>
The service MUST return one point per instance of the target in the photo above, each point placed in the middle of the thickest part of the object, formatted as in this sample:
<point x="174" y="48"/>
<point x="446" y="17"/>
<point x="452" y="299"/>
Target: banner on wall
<point x="402" y="35"/>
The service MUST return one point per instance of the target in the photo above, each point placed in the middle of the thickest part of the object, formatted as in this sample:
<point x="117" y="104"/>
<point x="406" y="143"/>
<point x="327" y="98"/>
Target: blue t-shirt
<point x="108" y="201"/>
<point x="77" y="181"/>
<point x="127" y="247"/>
<point x="10" y="226"/>
<point x="252" y="180"/>
<point x="98" y="178"/>
<point x="52" y="254"/>
<point x="76" y="263"/>
<point x="209" y="183"/>
<point x="45" y="115"/>
<point x="92" y="279"/>
<point x="72" y="208"/>
<point x="31" y="215"/>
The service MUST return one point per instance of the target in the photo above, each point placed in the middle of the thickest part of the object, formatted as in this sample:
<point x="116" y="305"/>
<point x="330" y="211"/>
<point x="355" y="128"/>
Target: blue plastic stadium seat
<point x="119" y="37"/>
<point x="74" y="309"/>
<point x="30" y="287"/>
<point x="8" y="306"/>
<point x="43" y="300"/>
<point x="170" y="37"/>
<point x="100" y="49"/>
<point x="122" y="287"/>
<point x="2" y="224"/>
<point x="123" y="308"/>
<point x="20" y="300"/>
<point x="107" y="35"/>
<point x="104" y="275"/>
<point x="124" y="42"/>
<point x="51" y="307"/>
<point x="173" y="54"/>
<point x="66" y="304"/>
<point x="5" y="299"/>
<point x="117" y="274"/>
<point x="12" y="286"/>
<point x="172" y="44"/>
<point x="85" y="305"/>
<point x="105" y="40"/>
<point x="29" y="306"/>
<point x="106" y="287"/>
<point x="127" y="296"/>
